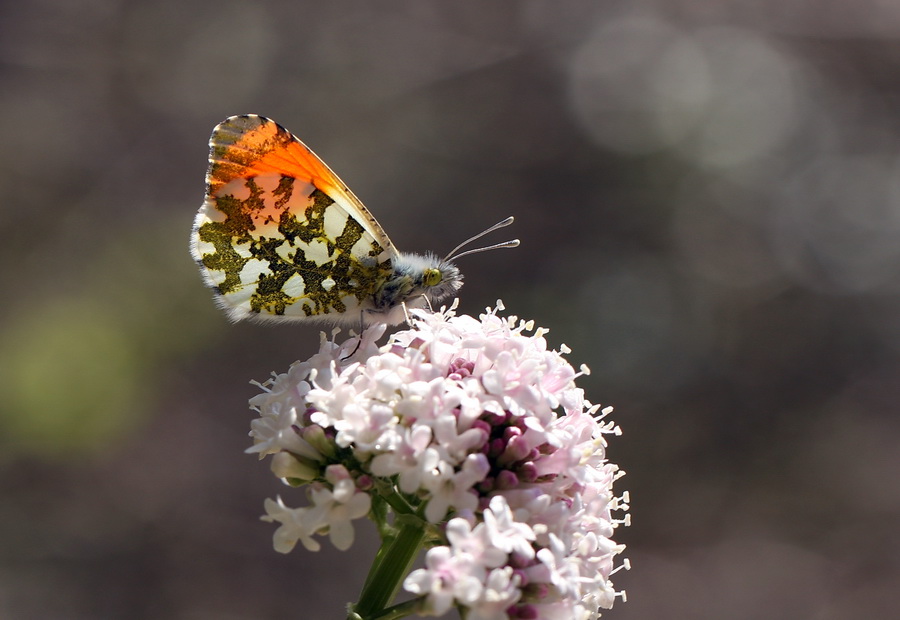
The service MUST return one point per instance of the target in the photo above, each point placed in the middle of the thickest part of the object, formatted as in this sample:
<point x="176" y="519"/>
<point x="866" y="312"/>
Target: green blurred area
<point x="74" y="381"/>
<point x="81" y="369"/>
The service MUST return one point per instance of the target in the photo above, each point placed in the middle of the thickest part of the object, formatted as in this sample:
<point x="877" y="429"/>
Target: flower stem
<point x="392" y="563"/>
<point x="401" y="610"/>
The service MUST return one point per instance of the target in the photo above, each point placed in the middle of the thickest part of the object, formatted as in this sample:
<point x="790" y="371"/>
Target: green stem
<point x="401" y="610"/>
<point x="387" y="491"/>
<point x="394" y="559"/>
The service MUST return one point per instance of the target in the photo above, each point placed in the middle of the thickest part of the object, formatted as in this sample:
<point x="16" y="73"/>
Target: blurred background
<point x="708" y="198"/>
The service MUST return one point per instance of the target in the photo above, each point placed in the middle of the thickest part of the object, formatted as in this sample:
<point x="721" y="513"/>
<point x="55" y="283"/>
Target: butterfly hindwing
<point x="279" y="235"/>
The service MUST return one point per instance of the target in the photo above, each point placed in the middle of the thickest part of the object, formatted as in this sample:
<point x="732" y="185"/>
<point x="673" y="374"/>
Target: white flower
<point x="446" y="578"/>
<point x="338" y="506"/>
<point x="411" y="458"/>
<point x="475" y="424"/>
<point x="469" y="571"/>
<point x="274" y="431"/>
<point x="449" y="487"/>
<point x="474" y="542"/>
<point x="504" y="532"/>
<point x="294" y="526"/>
<point x="500" y="592"/>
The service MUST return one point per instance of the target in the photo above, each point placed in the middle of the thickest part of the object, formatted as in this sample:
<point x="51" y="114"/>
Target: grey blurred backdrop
<point x="708" y="199"/>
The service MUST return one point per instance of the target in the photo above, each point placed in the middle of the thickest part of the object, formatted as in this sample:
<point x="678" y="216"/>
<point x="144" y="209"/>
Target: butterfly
<point x="281" y="238"/>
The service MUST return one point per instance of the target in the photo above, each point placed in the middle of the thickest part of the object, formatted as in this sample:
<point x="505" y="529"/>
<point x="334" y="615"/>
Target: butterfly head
<point x="417" y="277"/>
<point x="416" y="280"/>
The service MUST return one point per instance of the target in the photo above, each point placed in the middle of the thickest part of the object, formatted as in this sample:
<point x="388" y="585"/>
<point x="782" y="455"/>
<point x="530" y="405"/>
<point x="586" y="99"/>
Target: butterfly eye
<point x="431" y="276"/>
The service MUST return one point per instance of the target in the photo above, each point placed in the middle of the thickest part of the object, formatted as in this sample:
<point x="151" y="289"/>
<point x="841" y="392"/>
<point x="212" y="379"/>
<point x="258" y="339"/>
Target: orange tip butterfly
<point x="281" y="238"/>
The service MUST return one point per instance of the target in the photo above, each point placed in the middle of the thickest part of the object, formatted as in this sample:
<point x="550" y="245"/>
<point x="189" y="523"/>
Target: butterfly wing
<point x="279" y="235"/>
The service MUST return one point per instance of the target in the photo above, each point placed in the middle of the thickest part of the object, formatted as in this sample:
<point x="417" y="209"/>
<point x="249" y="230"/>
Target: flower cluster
<point x="474" y="428"/>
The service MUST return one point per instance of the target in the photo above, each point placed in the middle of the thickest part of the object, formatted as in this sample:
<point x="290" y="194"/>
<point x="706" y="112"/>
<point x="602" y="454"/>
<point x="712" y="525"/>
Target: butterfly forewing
<point x="280" y="236"/>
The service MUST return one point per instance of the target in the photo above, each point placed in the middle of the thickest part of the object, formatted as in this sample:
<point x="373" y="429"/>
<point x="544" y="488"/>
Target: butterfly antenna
<point x="506" y="244"/>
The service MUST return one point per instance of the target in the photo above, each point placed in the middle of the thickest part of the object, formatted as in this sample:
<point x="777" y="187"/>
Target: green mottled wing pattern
<point x="279" y="236"/>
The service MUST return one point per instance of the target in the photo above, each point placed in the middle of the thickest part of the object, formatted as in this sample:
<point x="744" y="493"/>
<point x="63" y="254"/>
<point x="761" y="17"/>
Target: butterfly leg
<point x="406" y="308"/>
<point x="362" y="328"/>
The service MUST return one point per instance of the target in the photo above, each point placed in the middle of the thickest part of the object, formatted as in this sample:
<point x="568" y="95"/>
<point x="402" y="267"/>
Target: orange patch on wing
<point x="240" y="150"/>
